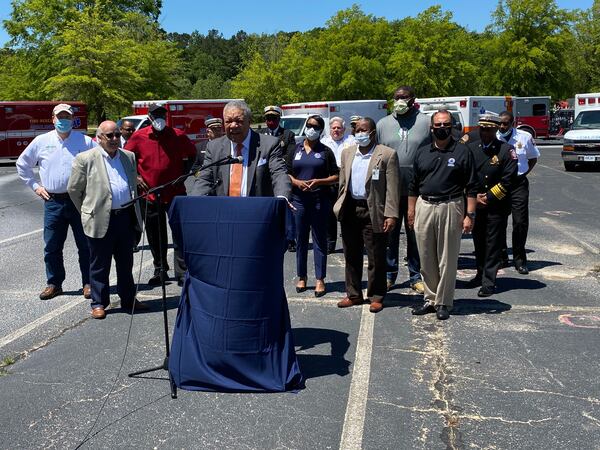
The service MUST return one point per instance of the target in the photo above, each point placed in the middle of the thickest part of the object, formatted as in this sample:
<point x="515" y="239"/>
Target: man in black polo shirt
<point x="442" y="172"/>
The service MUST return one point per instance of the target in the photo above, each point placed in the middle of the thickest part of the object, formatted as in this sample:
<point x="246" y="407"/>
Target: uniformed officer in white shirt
<point x="54" y="153"/>
<point x="527" y="154"/>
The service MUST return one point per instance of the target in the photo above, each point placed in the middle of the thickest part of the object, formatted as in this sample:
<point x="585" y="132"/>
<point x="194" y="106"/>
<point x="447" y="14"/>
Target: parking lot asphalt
<point x="517" y="370"/>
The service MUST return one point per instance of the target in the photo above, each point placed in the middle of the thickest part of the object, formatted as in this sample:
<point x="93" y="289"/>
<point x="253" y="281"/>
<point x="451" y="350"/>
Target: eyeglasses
<point x="130" y="130"/>
<point x="314" y="127"/>
<point x="442" y="125"/>
<point x="109" y="136"/>
<point x="507" y="123"/>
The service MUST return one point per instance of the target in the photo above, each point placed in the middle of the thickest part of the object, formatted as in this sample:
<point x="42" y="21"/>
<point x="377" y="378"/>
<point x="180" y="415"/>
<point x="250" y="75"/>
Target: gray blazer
<point x="89" y="189"/>
<point x="382" y="194"/>
<point x="267" y="174"/>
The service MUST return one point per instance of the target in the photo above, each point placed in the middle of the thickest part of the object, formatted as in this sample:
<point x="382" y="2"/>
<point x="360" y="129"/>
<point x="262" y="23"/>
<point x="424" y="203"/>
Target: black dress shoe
<point x="291" y="247"/>
<point x="427" y="308"/>
<point x="523" y="270"/>
<point x="485" y="291"/>
<point x="442" y="312"/>
<point x="330" y="249"/>
<point x="156" y="279"/>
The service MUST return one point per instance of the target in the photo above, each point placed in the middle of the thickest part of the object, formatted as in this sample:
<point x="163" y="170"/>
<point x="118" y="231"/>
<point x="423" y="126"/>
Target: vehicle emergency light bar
<point x="438" y="106"/>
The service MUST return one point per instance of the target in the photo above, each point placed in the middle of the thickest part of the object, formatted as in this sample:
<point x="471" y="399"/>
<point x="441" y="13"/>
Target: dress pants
<point x="118" y="242"/>
<point x="438" y="229"/>
<point x="488" y="233"/>
<point x="332" y="230"/>
<point x="520" y="220"/>
<point x="59" y="213"/>
<point x="151" y="215"/>
<point x="311" y="215"/>
<point x="412" y="252"/>
<point x="357" y="234"/>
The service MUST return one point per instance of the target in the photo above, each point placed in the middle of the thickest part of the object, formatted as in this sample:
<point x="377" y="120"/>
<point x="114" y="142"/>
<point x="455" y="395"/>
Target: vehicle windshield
<point x="294" y="124"/>
<point x="586" y="120"/>
<point x="135" y="122"/>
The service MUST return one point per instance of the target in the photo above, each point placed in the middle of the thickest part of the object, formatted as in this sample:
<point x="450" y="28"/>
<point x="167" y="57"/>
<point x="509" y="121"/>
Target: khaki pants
<point x="438" y="228"/>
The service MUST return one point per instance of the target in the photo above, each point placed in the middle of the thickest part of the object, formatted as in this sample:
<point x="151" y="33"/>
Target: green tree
<point x="434" y="55"/>
<point x="528" y="52"/>
<point x="584" y="61"/>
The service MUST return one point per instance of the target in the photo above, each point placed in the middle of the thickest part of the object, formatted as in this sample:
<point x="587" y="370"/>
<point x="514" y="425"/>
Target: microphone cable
<point x="89" y="434"/>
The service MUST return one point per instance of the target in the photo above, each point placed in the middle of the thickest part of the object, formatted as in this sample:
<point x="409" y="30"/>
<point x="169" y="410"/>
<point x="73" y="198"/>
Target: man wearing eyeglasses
<point x="102" y="180"/>
<point x="442" y="172"/>
<point x="405" y="130"/>
<point x="127" y="128"/>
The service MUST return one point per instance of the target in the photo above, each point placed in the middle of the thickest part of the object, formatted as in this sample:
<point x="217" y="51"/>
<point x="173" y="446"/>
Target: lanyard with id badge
<point x="375" y="175"/>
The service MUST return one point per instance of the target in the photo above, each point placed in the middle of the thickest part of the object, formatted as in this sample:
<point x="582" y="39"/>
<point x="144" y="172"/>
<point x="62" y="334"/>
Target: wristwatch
<point x="471" y="215"/>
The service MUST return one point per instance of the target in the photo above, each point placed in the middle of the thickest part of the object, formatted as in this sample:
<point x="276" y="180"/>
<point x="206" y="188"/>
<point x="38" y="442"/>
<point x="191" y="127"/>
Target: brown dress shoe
<point x="87" y="291"/>
<point x="346" y="302"/>
<point x="98" y="312"/>
<point x="51" y="291"/>
<point x="376" y="306"/>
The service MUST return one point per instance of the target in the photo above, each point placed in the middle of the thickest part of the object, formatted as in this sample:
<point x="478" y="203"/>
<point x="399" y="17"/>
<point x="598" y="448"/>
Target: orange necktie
<point x="235" y="175"/>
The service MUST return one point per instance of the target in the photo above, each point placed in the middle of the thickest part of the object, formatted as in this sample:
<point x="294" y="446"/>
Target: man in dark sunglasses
<point x="102" y="180"/>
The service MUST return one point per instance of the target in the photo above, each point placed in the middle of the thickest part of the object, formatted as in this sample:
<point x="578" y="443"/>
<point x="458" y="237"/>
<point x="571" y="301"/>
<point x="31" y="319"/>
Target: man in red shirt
<point x="161" y="153"/>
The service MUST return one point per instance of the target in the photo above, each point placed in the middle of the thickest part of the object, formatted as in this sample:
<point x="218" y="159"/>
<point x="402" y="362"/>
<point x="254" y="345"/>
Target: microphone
<point x="236" y="160"/>
<point x="221" y="162"/>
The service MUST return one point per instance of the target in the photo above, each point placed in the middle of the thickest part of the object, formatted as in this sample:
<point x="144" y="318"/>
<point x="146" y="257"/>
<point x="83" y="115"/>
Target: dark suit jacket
<point x="267" y="174"/>
<point x="287" y="141"/>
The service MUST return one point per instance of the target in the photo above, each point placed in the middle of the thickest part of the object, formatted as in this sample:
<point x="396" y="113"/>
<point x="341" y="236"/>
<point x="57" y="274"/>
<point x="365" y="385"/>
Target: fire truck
<point x="20" y="122"/>
<point x="532" y="114"/>
<point x="185" y="115"/>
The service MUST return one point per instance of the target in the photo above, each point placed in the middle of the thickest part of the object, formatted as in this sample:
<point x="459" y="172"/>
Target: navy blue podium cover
<point x="232" y="332"/>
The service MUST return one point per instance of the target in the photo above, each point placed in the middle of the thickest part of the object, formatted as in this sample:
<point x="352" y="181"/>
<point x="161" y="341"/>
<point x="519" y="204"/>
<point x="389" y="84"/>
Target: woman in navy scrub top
<point x="313" y="170"/>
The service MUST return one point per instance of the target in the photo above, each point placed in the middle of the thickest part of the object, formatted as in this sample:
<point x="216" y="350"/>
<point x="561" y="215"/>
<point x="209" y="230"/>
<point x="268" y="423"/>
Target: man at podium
<point x="262" y="172"/>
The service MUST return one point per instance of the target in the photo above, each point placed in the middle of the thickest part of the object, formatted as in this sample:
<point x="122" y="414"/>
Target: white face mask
<point x="312" y="134"/>
<point x="363" y="138"/>
<point x="401" y="106"/>
<point x="158" y="124"/>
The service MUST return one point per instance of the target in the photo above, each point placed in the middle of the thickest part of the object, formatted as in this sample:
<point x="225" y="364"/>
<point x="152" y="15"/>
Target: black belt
<point x="116" y="212"/>
<point x="440" y="198"/>
<point x="61" y="196"/>
<point x="360" y="202"/>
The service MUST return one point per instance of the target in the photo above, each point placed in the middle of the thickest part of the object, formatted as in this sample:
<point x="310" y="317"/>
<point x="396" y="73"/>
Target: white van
<point x="295" y="114"/>
<point x="581" y="145"/>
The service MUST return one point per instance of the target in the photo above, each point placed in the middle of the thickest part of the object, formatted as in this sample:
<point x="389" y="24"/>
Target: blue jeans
<point x="412" y="253"/>
<point x="59" y="213"/>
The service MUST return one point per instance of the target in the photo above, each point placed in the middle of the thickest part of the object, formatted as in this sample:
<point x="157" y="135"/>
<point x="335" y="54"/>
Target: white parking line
<point x="559" y="171"/>
<point x="57" y="312"/>
<point x="14" y="238"/>
<point x="354" y="420"/>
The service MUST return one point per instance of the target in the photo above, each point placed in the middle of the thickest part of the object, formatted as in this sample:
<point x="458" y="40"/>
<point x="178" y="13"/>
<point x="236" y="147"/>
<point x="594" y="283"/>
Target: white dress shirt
<point x="360" y="168"/>
<point x="55" y="158"/>
<point x="337" y="146"/>
<point x="246" y="156"/>
<point x="524" y="146"/>
<point x="119" y="187"/>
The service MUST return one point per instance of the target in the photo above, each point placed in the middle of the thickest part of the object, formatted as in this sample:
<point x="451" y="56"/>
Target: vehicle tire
<point x="569" y="166"/>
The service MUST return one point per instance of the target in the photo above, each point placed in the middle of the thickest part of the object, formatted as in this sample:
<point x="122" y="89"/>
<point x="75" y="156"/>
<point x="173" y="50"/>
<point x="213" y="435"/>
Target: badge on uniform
<point x="375" y="174"/>
<point x="317" y="155"/>
<point x="519" y="145"/>
<point x="298" y="156"/>
<point x="451" y="162"/>
<point x="495" y="161"/>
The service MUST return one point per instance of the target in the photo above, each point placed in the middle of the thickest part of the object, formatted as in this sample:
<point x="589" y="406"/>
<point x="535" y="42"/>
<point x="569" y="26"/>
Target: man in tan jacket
<point x="102" y="180"/>
<point x="367" y="207"/>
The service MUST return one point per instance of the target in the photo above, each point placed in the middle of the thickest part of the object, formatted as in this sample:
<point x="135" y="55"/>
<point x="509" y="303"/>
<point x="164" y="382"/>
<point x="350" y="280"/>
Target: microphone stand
<point x="157" y="191"/>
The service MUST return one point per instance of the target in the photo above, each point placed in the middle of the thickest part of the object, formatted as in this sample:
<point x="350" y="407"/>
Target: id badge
<point x="298" y="156"/>
<point x="375" y="174"/>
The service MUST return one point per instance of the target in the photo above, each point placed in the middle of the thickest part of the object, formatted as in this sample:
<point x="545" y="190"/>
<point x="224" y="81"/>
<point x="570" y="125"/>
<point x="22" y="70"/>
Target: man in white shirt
<point x="527" y="154"/>
<point x="336" y="141"/>
<point x="102" y="181"/>
<point x="54" y="152"/>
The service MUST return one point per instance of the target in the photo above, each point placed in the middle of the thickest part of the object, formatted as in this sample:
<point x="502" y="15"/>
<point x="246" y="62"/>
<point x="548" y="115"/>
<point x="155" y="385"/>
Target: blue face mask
<point x="63" y="125"/>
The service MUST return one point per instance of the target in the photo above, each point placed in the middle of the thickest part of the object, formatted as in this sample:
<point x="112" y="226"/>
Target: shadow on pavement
<point x="314" y="366"/>
<point x="394" y="300"/>
<point x="467" y="307"/>
<point x="505" y="284"/>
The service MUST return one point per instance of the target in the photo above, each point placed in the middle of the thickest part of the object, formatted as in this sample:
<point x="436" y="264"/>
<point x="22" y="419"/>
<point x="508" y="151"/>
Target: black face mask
<point x="442" y="133"/>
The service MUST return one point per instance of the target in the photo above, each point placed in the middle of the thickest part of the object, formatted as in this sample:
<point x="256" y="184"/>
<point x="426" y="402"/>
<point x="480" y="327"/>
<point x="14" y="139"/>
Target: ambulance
<point x="581" y="145"/>
<point x="295" y="114"/>
<point x="185" y="115"/>
<point x="20" y="122"/>
<point x="532" y="114"/>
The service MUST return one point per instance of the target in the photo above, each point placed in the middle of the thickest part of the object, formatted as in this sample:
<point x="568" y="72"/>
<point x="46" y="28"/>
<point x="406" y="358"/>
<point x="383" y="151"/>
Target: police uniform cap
<point x="272" y="111"/>
<point x="354" y="119"/>
<point x="62" y="107"/>
<point x="156" y="106"/>
<point x="213" y="122"/>
<point x="489" y="119"/>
